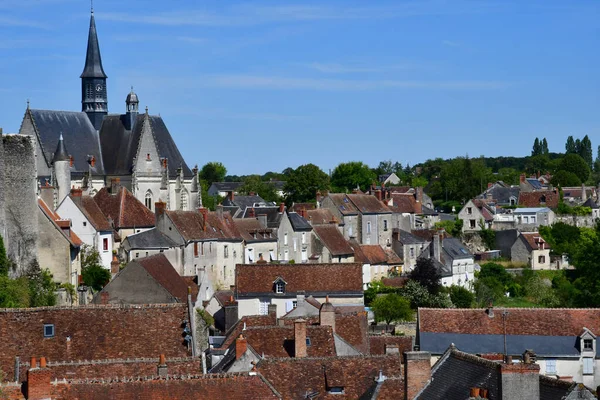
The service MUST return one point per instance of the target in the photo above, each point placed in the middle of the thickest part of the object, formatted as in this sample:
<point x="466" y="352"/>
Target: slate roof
<point x="159" y="267"/>
<point x="315" y="279"/>
<point x="79" y="135"/>
<point x="253" y="231"/>
<point x="273" y="215"/>
<point x="93" y="61"/>
<point x="55" y="219"/>
<point x="92" y="212"/>
<point x="299" y="224"/>
<point x="537" y="185"/>
<point x="226" y="186"/>
<point x="536" y="199"/>
<point x="150" y="239"/>
<point x="454" y="249"/>
<point x="120" y="146"/>
<point x="591" y="204"/>
<point x="368" y="204"/>
<point x="343" y="204"/>
<point x="408" y="238"/>
<point x="333" y="239"/>
<point x="320" y="216"/>
<point x="297" y="378"/>
<point x="502" y="194"/>
<point x="244" y="202"/>
<point x="125" y="210"/>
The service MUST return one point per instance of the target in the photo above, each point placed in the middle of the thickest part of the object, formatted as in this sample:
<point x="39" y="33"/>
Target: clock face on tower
<point x="98" y="88"/>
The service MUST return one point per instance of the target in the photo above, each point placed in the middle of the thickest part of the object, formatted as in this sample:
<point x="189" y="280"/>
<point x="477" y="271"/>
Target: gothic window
<point x="148" y="200"/>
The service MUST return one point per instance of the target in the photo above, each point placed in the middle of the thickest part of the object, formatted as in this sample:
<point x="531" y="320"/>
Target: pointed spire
<point x="93" y="61"/>
<point x="61" y="151"/>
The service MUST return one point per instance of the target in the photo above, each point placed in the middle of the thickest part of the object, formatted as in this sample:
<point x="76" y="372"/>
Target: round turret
<point x="132" y="97"/>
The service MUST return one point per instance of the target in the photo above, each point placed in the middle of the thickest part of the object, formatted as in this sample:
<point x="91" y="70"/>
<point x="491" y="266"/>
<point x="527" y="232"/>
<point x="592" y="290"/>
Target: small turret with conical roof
<point x="61" y="171"/>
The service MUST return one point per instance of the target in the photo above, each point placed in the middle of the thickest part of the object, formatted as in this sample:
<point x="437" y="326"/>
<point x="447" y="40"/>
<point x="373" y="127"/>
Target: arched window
<point x="148" y="200"/>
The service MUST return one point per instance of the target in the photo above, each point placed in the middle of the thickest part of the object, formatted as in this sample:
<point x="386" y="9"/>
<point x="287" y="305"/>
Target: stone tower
<point x="61" y="171"/>
<point x="2" y="188"/>
<point x="94" y="97"/>
<point x="132" y="104"/>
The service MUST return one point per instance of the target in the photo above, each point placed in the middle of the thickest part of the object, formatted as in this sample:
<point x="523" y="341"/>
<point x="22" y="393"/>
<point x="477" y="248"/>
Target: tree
<point x="42" y="288"/>
<point x="495" y="271"/>
<point x="585" y="150"/>
<point x="4" y="261"/>
<point x="537" y="148"/>
<point x="565" y="179"/>
<point x="213" y="172"/>
<point x="14" y="293"/>
<point x="254" y="184"/>
<point x="570" y="147"/>
<point x="348" y="176"/>
<point x="597" y="161"/>
<point x="545" y="150"/>
<point x="303" y="183"/>
<point x="391" y="307"/>
<point x="454" y="228"/>
<point x="427" y="275"/>
<point x="576" y="164"/>
<point x="461" y="297"/>
<point x="92" y="271"/>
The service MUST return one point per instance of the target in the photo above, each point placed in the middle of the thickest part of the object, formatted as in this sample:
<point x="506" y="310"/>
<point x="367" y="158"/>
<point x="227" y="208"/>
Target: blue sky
<point x="266" y="85"/>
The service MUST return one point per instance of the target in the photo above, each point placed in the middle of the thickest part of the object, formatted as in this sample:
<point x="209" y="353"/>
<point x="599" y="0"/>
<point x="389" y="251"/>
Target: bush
<point x="426" y="274"/>
<point x="391" y="307"/>
<point x="92" y="271"/>
<point x="461" y="297"/>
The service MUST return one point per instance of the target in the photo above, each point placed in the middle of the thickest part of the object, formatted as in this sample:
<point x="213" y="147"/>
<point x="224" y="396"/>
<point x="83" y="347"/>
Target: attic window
<point x="588" y="344"/>
<point x="48" y="330"/>
<point x="336" y="390"/>
<point x="280" y="287"/>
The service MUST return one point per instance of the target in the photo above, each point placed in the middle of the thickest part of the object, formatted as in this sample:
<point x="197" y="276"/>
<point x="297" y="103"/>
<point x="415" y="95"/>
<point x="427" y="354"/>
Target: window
<point x="588" y="344"/>
<point x="48" y="330"/>
<point x="336" y="390"/>
<point x="350" y="231"/>
<point x="385" y="226"/>
<point x="285" y="240"/>
<point x="224" y="272"/>
<point x="471" y="223"/>
<point x="137" y="255"/>
<point x="303" y="237"/>
<point x="368" y="227"/>
<point x="412" y="252"/>
<point x="542" y="259"/>
<point x="588" y="366"/>
<point x="294" y="241"/>
<point x="263" y="308"/>
<point x="308" y="342"/>
<point x="286" y="255"/>
<point x="226" y="251"/>
<point x="469" y="210"/>
<point x="279" y="287"/>
<point x="84" y="223"/>
<point x="195" y="249"/>
<point x="148" y="200"/>
<point x="105" y="244"/>
<point x="294" y="303"/>
<point x="202" y="248"/>
<point x="304" y="255"/>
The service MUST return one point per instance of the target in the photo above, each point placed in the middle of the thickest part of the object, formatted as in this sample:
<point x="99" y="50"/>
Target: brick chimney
<point x="281" y="207"/>
<point x="378" y="194"/>
<point x="159" y="212"/>
<point x="241" y="345"/>
<point x="76" y="194"/>
<point x="522" y="178"/>
<point x="204" y="212"/>
<point x="38" y="380"/>
<point x="327" y="314"/>
<point x="300" y="338"/>
<point x="417" y="372"/>
<point x="115" y="185"/>
<point x="114" y="264"/>
<point x="231" y="195"/>
<point x="519" y="381"/>
<point x="163" y="371"/>
<point x="303" y="212"/>
<point x="251" y="213"/>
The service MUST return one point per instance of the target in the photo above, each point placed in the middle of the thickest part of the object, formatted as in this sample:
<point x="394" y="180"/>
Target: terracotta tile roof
<point x="332" y="238"/>
<point x="396" y="281"/>
<point x="520" y="321"/>
<point x="278" y="341"/>
<point x="377" y="343"/>
<point x="374" y="254"/>
<point x="246" y="321"/>
<point x="540" y="198"/>
<point x="223" y="296"/>
<point x="343" y="203"/>
<point x="297" y="207"/>
<point x="253" y="231"/>
<point x="62" y="225"/>
<point x="368" y="204"/>
<point x="124" y="209"/>
<point x="332" y="279"/>
<point x="352" y="325"/>
<point x="92" y="212"/>
<point x="159" y="267"/>
<point x="576" y="192"/>
<point x="535" y="241"/>
<point x="191" y="226"/>
<point x="404" y="204"/>
<point x="294" y="378"/>
<point x="321" y="216"/>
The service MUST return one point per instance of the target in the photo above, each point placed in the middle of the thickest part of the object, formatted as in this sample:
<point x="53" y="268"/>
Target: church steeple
<point x="94" y="99"/>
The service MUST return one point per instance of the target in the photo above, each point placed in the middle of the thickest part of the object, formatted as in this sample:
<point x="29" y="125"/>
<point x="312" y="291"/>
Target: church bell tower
<point x="94" y="98"/>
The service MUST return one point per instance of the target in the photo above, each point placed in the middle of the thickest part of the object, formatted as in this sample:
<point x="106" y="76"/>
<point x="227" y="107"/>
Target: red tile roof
<point x="377" y="343"/>
<point x="535" y="241"/>
<point x="374" y="254"/>
<point x="321" y="216"/>
<point x="159" y="267"/>
<point x="245" y="322"/>
<point x="294" y="378"/>
<point x="55" y="219"/>
<point x="124" y="209"/>
<point x="92" y="212"/>
<point x="278" y="341"/>
<point x="257" y="279"/>
<point x="520" y="321"/>
<point x="332" y="238"/>
<point x="405" y="203"/>
<point x="540" y="198"/>
<point x="368" y="204"/>
<point x="297" y="207"/>
<point x="191" y="226"/>
<point x="252" y="230"/>
<point x="397" y="281"/>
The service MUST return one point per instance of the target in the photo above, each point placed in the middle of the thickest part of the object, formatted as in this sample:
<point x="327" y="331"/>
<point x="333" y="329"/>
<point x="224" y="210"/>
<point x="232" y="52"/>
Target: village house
<point x="527" y="218"/>
<point x="378" y="262"/>
<point x="260" y="242"/>
<point x="454" y="261"/>
<point x="409" y="247"/>
<point x="301" y="238"/>
<point x="476" y="215"/>
<point x="501" y="194"/>
<point x="329" y="245"/>
<point x="532" y="249"/>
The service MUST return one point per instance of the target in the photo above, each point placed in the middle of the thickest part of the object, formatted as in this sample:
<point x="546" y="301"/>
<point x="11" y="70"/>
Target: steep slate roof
<point x="273" y="215"/>
<point x="93" y="60"/>
<point x="547" y="331"/>
<point x="409" y="238"/>
<point x="92" y="212"/>
<point x="535" y="199"/>
<point x="125" y="210"/>
<point x="150" y="239"/>
<point x="79" y="135"/>
<point x="591" y="204"/>
<point x="226" y="186"/>
<point x="535" y="241"/>
<point x="191" y="226"/>
<point x="253" y="231"/>
<point x="502" y="194"/>
<point x="343" y="203"/>
<point x="454" y="249"/>
<point x="368" y="204"/>
<point x="298" y="223"/>
<point x="333" y="239"/>
<point x="295" y="378"/>
<point x="120" y="146"/>
<point x="54" y="218"/>
<point x="314" y="279"/>
<point x="164" y="274"/>
<point x="320" y="216"/>
<point x="243" y="202"/>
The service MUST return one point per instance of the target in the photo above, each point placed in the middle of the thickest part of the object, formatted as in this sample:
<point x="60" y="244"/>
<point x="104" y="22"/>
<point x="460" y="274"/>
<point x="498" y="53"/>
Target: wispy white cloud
<point x="191" y="39"/>
<point x="451" y="43"/>
<point x="351" y="68"/>
<point x="290" y="83"/>
<point x="21" y="22"/>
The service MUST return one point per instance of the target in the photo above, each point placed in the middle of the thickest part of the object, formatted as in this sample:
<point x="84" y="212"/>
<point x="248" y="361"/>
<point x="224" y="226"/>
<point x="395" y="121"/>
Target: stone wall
<point x="20" y="201"/>
<point x="2" y="215"/>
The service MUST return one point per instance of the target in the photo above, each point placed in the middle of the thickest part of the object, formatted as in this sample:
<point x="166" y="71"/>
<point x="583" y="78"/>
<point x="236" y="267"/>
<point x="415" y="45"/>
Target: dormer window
<point x="279" y="285"/>
<point x="588" y="344"/>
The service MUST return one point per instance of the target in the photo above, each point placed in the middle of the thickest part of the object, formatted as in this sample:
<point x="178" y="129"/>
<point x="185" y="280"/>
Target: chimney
<point x="47" y="195"/>
<point x="436" y="245"/>
<point x="71" y="161"/>
<point x="281" y="208"/>
<point x="420" y="194"/>
<point x="262" y="218"/>
<point x="272" y="310"/>
<point x="162" y="367"/>
<point x="231" y="195"/>
<point x="378" y="194"/>
<point x="76" y="195"/>
<point x="319" y="197"/>
<point x="300" y="338"/>
<point x="159" y="211"/>
<point x="204" y="212"/>
<point x="251" y="213"/>
<point x="522" y="178"/>
<point x="38" y="380"/>
<point x="303" y="212"/>
<point x="490" y="184"/>
<point x="114" y="264"/>
<point x="115" y="184"/>
<point x="241" y="345"/>
<point x="231" y="313"/>
<point x="583" y="193"/>
<point x="219" y="209"/>
<point x="519" y="381"/>
<point x="391" y="348"/>
<point x="417" y="372"/>
<point x="327" y="314"/>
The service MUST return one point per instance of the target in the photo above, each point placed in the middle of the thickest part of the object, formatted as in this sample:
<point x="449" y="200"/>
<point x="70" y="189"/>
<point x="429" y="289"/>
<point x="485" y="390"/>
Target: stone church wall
<point x="2" y="190"/>
<point x="20" y="201"/>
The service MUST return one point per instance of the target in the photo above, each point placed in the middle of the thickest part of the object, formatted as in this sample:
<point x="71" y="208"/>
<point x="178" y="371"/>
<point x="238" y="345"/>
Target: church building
<point x="90" y="148"/>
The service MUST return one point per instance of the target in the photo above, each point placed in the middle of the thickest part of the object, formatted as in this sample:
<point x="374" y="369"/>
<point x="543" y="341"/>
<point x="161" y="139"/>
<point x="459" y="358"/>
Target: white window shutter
<point x="289" y="306"/>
